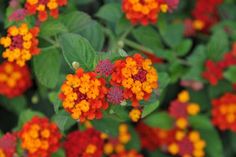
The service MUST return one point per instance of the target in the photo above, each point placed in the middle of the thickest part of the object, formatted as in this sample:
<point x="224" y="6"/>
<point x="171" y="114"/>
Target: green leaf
<point x="149" y="108"/>
<point x="76" y="21"/>
<point x="230" y="74"/>
<point x="148" y="37"/>
<point x="107" y="125"/>
<point x="110" y="12"/>
<point x="59" y="153"/>
<point x="52" y="27"/>
<point x="54" y="99"/>
<point x="202" y="98"/>
<point x="26" y="116"/>
<point x="47" y="67"/>
<point x="172" y="34"/>
<point x="218" y="45"/>
<point x="221" y="88"/>
<point x="160" y="120"/>
<point x="77" y="48"/>
<point x="63" y="120"/>
<point x="134" y="142"/>
<point x="184" y="47"/>
<point x="214" y="146"/>
<point x="16" y="105"/>
<point x="94" y="34"/>
<point x="118" y="112"/>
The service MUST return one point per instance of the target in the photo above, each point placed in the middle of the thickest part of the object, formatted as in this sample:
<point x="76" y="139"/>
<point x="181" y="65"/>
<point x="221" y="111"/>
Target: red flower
<point x="104" y="67"/>
<point x="224" y="112"/>
<point x="39" y="137"/>
<point x="8" y="145"/>
<point x="14" y="80"/>
<point x="84" y="144"/>
<point x="131" y="153"/>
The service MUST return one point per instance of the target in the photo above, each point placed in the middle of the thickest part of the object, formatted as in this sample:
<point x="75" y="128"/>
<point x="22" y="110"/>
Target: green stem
<point x="49" y="47"/>
<point x="50" y="40"/>
<point x="126" y="33"/>
<point x="137" y="46"/>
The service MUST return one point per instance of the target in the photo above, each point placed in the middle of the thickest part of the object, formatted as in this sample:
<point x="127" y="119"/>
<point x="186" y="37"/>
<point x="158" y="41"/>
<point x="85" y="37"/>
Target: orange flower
<point x="141" y="11"/>
<point x="20" y="43"/>
<point x="187" y="144"/>
<point x="83" y="95"/>
<point x="137" y="76"/>
<point x="39" y="137"/>
<point x="43" y="7"/>
<point x="224" y="112"/>
<point x="14" y="80"/>
<point x="131" y="153"/>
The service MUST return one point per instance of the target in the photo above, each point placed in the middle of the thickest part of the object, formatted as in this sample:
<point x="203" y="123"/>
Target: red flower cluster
<point x="39" y="137"/>
<point x="205" y="14"/>
<point x="84" y="144"/>
<point x="146" y="11"/>
<point x="14" y="80"/>
<point x="224" y="112"/>
<point x="131" y="153"/>
<point x="42" y="7"/>
<point x="7" y="145"/>
<point x="154" y="138"/>
<point x="214" y="70"/>
<point x="83" y="95"/>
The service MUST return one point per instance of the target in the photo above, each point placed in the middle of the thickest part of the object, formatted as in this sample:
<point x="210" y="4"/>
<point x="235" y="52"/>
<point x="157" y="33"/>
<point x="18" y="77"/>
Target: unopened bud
<point x="75" y="65"/>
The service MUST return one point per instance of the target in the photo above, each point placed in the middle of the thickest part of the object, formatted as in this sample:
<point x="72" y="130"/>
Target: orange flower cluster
<point x="14" y="80"/>
<point x="181" y="108"/>
<point x="83" y="95"/>
<point x="187" y="144"/>
<point x="137" y="76"/>
<point x="42" y="7"/>
<point x="145" y="11"/>
<point x="131" y="153"/>
<point x="224" y="112"/>
<point x="20" y="43"/>
<point x="117" y="145"/>
<point x="39" y="137"/>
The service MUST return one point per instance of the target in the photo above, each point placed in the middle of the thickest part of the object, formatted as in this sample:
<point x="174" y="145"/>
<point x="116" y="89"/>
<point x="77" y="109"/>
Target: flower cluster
<point x="147" y="11"/>
<point x="214" y="69"/>
<point x="20" y="43"/>
<point x="205" y="16"/>
<point x="136" y="76"/>
<point x="7" y="145"/>
<point x="14" y="80"/>
<point x="39" y="137"/>
<point x="44" y="7"/>
<point x="131" y="153"/>
<point x="154" y="138"/>
<point x="181" y="108"/>
<point x="224" y="112"/>
<point x="86" y="143"/>
<point x="84" y="95"/>
<point x="117" y="145"/>
<point x="187" y="144"/>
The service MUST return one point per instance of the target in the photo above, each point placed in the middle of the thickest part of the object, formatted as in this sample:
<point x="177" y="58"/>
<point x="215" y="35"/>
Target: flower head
<point x="85" y="144"/>
<point x="14" y="80"/>
<point x="18" y="15"/>
<point x="44" y="7"/>
<point x="7" y="145"/>
<point x="39" y="137"/>
<point x="131" y="153"/>
<point x="137" y="76"/>
<point x="115" y="95"/>
<point x="187" y="144"/>
<point x="83" y="95"/>
<point x="135" y="114"/>
<point x="104" y="67"/>
<point x="224" y="112"/>
<point x="20" y="44"/>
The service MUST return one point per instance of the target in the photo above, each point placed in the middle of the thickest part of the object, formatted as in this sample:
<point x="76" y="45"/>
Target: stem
<point x="137" y="46"/>
<point x="126" y="33"/>
<point x="49" y="47"/>
<point x="50" y="40"/>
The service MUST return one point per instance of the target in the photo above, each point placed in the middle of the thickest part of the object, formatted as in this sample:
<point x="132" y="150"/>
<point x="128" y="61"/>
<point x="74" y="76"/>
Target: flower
<point x="39" y="137"/>
<point x="83" y="95"/>
<point x="7" y="145"/>
<point x="131" y="153"/>
<point x="187" y="144"/>
<point x="18" y="15"/>
<point x="115" y="95"/>
<point x="86" y="143"/>
<point x="104" y="67"/>
<point x="154" y="138"/>
<point x="14" y="80"/>
<point x="224" y="112"/>
<point x="172" y="4"/>
<point x="135" y="114"/>
<point x="153" y="57"/>
<point x="141" y="11"/>
<point x="44" y="7"/>
<point x="20" y="44"/>
<point x="137" y="76"/>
